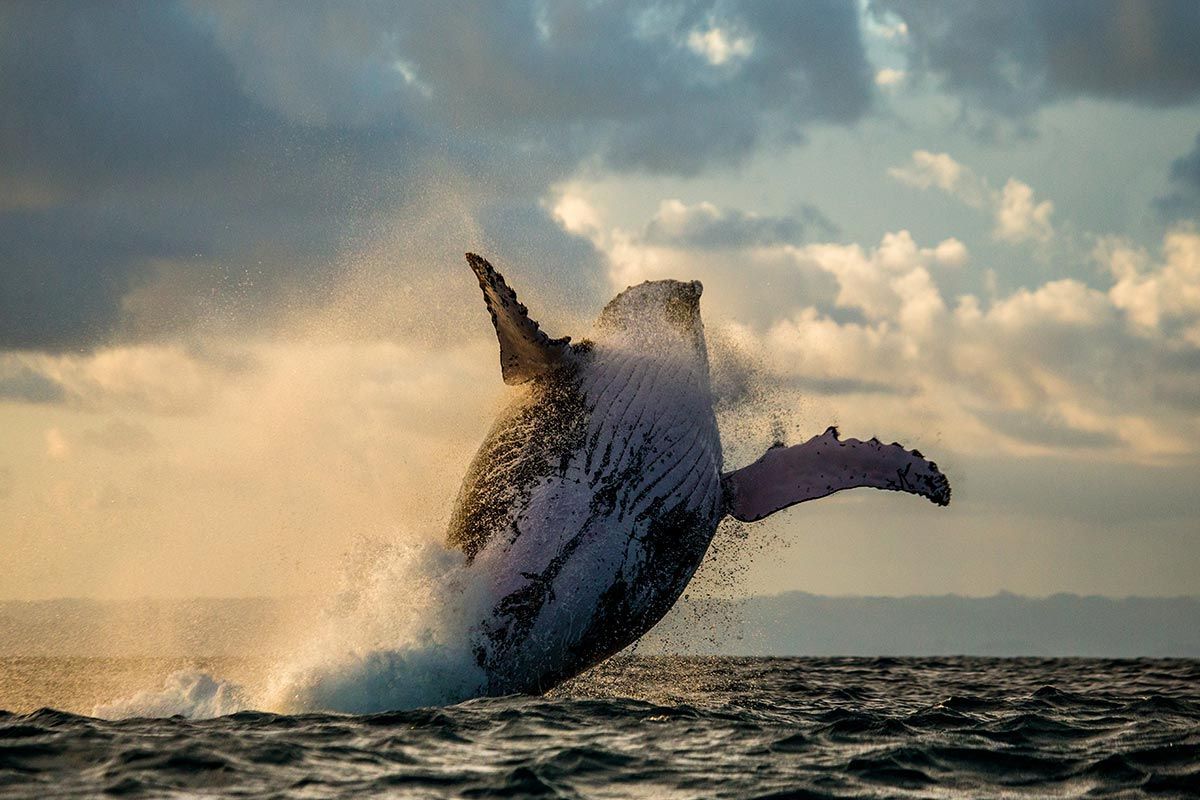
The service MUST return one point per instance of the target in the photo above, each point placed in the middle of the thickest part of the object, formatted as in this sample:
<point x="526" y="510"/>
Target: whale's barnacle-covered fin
<point x="826" y="464"/>
<point x="525" y="351"/>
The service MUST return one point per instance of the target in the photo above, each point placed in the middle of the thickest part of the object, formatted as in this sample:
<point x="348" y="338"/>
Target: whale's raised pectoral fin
<point x="525" y="351"/>
<point x="826" y="464"/>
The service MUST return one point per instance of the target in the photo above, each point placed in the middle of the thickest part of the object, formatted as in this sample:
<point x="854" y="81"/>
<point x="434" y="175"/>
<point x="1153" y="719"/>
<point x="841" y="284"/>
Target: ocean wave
<point x="665" y="727"/>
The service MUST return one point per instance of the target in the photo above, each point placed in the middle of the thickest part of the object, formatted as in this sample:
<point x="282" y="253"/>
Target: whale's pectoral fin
<point x="525" y="352"/>
<point x="823" y="465"/>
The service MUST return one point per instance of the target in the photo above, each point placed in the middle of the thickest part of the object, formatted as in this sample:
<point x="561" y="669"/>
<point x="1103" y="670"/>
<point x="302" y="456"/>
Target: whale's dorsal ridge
<point x="525" y="350"/>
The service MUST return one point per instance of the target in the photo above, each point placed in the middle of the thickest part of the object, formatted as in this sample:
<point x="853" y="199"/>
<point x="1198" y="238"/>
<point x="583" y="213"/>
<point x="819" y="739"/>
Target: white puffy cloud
<point x="576" y="215"/>
<point x="1019" y="217"/>
<point x="1017" y="214"/>
<point x="950" y="253"/>
<point x="1022" y="375"/>
<point x="888" y="282"/>
<point x="709" y="242"/>
<point x="1064" y="302"/>
<point x="1153" y="295"/>
<point x="1054" y="368"/>
<point x="889" y="77"/>
<point x="925" y="170"/>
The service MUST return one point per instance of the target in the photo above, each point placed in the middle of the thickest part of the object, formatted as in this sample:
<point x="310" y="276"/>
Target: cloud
<point x="258" y="477"/>
<point x="718" y="46"/>
<point x="23" y="382"/>
<point x="155" y="379"/>
<point x="740" y="255"/>
<point x="890" y="30"/>
<point x="1183" y="200"/>
<point x="889" y="77"/>
<point x="575" y="82"/>
<point x="1013" y="58"/>
<point x="57" y="446"/>
<point x="146" y="148"/>
<point x="950" y="253"/>
<point x="576" y="215"/>
<point x="890" y="281"/>
<point x="704" y="225"/>
<point x="119" y="436"/>
<point x="233" y="140"/>
<point x="1047" y="430"/>
<point x="1157" y="299"/>
<point x="1018" y="215"/>
<point x="1020" y="376"/>
<point x="873" y="339"/>
<point x="926" y="169"/>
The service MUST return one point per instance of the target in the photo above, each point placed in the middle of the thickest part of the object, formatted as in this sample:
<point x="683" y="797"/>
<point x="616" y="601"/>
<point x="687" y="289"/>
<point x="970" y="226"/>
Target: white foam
<point x="186" y="693"/>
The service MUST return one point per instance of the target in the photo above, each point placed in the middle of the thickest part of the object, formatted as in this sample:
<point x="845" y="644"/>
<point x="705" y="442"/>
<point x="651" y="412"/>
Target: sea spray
<point x="401" y="632"/>
<point x="397" y="635"/>
<point x="185" y="693"/>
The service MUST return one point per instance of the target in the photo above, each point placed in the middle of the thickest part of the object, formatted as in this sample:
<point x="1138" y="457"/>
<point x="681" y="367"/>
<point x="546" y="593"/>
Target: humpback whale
<point x="594" y="497"/>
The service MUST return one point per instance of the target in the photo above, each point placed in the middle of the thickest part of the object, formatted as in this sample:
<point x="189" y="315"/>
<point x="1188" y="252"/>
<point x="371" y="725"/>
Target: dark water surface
<point x="673" y="727"/>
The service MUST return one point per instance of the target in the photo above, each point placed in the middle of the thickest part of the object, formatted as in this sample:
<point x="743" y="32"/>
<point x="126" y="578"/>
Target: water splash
<point x="397" y="636"/>
<point x="399" y="633"/>
<point x="185" y="693"/>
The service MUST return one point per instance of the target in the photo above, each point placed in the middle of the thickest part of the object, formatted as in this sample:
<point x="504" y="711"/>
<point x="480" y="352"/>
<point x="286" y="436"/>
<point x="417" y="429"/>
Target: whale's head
<point x="661" y="314"/>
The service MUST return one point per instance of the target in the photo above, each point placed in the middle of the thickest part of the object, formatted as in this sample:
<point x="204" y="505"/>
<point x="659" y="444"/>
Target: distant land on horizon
<point x="793" y="623"/>
<point x="1005" y="624"/>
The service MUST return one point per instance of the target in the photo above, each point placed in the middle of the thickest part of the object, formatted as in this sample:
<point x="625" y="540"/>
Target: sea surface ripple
<point x="673" y="727"/>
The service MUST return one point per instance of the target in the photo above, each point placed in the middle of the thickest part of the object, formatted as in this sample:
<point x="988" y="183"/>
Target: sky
<point x="240" y="347"/>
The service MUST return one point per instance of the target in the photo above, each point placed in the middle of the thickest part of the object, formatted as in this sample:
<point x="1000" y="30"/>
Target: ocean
<point x="642" y="726"/>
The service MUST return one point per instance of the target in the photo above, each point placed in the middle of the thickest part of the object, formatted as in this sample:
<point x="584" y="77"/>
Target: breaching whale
<point x="595" y="495"/>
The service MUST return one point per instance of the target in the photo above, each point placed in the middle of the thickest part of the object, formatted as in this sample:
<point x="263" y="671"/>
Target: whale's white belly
<point x="605" y="540"/>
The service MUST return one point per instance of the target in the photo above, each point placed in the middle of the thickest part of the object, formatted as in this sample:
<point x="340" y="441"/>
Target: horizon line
<point x="997" y="595"/>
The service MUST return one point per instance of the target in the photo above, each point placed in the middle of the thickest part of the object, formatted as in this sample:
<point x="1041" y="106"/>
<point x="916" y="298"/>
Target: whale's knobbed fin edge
<point x="825" y="464"/>
<point x="525" y="350"/>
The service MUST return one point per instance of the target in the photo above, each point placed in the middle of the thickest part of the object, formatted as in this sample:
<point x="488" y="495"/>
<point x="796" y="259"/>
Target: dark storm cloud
<point x="620" y="79"/>
<point x="1184" y="198"/>
<point x="1013" y="57"/>
<point x="224" y="136"/>
<point x="128" y="128"/>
